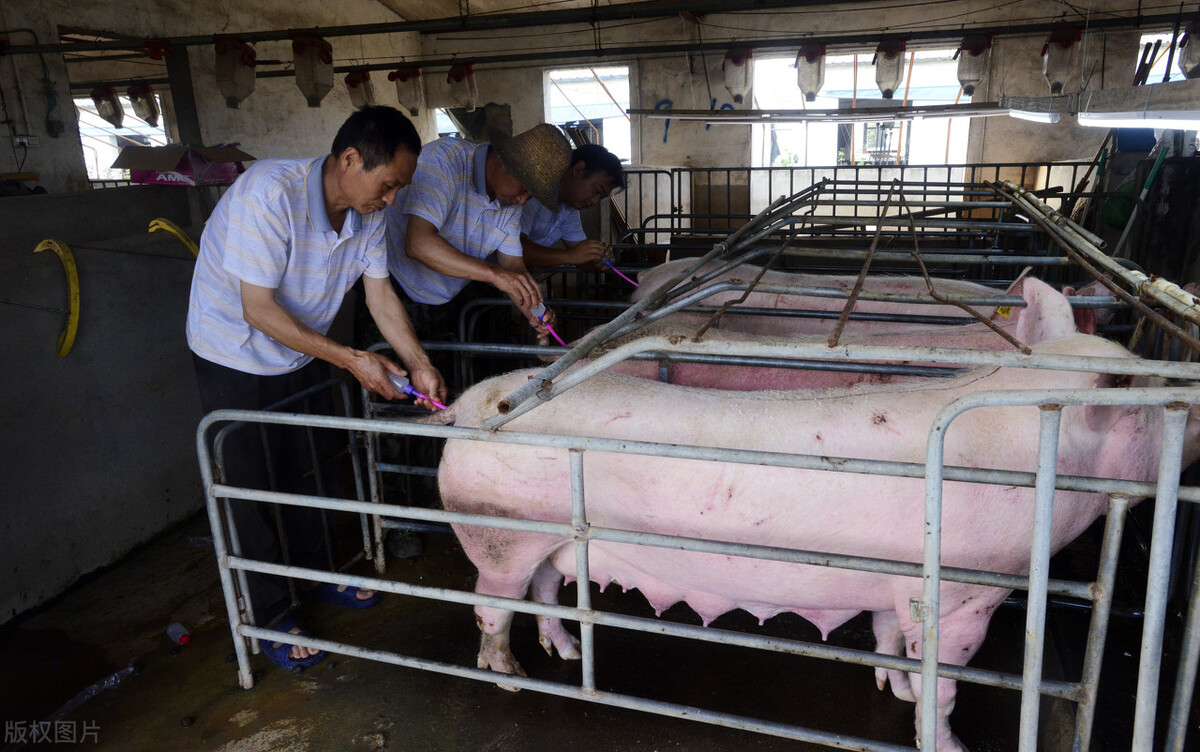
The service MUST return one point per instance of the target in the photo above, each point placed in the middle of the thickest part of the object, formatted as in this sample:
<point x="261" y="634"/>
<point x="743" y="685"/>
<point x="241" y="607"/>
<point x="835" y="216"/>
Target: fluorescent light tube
<point x="1037" y="117"/>
<point x="1181" y="120"/>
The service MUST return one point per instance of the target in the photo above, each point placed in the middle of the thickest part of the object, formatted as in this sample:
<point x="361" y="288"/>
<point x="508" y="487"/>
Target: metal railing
<point x="1175" y="402"/>
<point x="661" y="203"/>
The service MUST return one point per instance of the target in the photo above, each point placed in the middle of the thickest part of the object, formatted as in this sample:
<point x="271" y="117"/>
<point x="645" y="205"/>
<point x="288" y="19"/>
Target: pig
<point x="984" y="526"/>
<point x="653" y="279"/>
<point x="1046" y="316"/>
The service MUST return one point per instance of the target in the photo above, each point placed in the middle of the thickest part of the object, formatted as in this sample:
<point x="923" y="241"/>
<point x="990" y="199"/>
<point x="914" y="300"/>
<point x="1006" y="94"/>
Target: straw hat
<point x="537" y="158"/>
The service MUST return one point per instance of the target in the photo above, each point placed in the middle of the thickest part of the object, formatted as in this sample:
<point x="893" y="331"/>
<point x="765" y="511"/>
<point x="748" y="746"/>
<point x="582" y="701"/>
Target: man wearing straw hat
<point x="595" y="173"/>
<point x="463" y="205"/>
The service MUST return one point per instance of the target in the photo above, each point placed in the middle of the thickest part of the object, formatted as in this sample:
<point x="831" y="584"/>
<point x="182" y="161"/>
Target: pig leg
<point x="961" y="634"/>
<point x="889" y="640"/>
<point x="551" y="633"/>
<point x="495" y="652"/>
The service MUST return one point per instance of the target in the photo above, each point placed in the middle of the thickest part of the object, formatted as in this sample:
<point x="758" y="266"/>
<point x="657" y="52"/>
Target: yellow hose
<point x="167" y="225"/>
<point x="67" y="339"/>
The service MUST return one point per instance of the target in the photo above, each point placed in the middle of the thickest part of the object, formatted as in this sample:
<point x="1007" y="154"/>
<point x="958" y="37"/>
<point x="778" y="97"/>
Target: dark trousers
<point x="279" y="458"/>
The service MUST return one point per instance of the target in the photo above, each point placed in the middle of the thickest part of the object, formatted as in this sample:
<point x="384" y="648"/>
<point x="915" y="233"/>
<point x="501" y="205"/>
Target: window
<point x="102" y="141"/>
<point x="590" y="104"/>
<point x="850" y="82"/>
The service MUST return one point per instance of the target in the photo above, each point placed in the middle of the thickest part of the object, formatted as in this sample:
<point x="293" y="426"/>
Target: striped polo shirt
<point x="544" y="227"/>
<point x="271" y="229"/>
<point x="449" y="189"/>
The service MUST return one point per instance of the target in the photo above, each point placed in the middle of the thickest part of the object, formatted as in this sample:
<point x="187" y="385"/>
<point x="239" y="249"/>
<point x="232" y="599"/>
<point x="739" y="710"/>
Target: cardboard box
<point x="182" y="165"/>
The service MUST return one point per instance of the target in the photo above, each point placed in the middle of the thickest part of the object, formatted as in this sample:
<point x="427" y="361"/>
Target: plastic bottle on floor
<point x="179" y="634"/>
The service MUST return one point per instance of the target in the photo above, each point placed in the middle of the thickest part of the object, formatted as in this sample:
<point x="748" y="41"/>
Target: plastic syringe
<point x="404" y="385"/>
<point x="539" y="310"/>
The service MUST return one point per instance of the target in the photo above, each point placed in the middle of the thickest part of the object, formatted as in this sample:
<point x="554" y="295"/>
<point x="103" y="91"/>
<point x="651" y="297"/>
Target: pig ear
<point x="1047" y="315"/>
<point x="1085" y="318"/>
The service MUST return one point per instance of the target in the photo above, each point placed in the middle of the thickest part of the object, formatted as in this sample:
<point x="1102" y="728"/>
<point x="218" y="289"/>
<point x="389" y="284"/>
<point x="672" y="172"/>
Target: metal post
<point x="932" y="576"/>
<point x="1185" y="680"/>
<point x="1039" y="573"/>
<point x="245" y="677"/>
<point x="583" y="579"/>
<point x="1102" y="596"/>
<point x="1166" y="501"/>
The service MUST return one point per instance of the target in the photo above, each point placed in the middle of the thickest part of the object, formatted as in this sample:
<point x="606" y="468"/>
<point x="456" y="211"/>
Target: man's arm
<point x="397" y="329"/>
<point x="264" y="313"/>
<point x="586" y="254"/>
<point x="424" y="244"/>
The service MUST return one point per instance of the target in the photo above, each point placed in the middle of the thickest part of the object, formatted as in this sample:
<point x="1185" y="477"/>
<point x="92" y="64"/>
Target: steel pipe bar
<point x="1050" y="418"/>
<point x="672" y="710"/>
<point x="1159" y="571"/>
<point x="683" y="451"/>
<point x="544" y="389"/>
<point x="1185" y="679"/>
<point x="716" y="635"/>
<point x="1089" y="682"/>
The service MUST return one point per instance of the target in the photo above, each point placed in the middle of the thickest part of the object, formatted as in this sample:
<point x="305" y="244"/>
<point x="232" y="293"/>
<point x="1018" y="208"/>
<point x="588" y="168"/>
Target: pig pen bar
<point x="1045" y="481"/>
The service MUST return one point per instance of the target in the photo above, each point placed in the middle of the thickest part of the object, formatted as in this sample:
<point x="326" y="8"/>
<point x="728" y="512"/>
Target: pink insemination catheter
<point x="404" y="385"/>
<point x="539" y="310"/>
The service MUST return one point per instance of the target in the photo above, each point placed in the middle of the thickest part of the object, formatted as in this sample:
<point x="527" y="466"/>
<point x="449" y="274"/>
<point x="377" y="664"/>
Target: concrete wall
<point x="97" y="448"/>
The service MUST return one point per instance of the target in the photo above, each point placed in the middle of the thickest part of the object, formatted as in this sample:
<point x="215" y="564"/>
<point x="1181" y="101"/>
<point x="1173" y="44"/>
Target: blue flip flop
<point x="279" y="655"/>
<point x="327" y="592"/>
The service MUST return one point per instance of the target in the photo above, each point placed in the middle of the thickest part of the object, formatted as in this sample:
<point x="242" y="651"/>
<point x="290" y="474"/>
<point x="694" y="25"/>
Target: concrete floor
<point x="188" y="699"/>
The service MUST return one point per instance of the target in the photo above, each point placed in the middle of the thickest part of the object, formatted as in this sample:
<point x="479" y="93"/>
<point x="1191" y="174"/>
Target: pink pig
<point x="653" y="279"/>
<point x="984" y="526"/>
<point x="1046" y="316"/>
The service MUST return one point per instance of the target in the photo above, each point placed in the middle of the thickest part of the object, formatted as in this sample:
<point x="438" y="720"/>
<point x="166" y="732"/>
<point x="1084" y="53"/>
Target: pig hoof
<point x="880" y="679"/>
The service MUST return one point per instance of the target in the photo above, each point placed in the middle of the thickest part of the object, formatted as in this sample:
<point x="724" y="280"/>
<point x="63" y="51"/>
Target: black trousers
<point x="278" y="458"/>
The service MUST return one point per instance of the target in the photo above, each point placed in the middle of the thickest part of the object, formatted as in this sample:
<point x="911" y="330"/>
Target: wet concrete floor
<point x="189" y="699"/>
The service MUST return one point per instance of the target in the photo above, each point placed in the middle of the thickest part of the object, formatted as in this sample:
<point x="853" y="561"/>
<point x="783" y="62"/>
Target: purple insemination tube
<point x="609" y="264"/>
<point x="404" y="385"/>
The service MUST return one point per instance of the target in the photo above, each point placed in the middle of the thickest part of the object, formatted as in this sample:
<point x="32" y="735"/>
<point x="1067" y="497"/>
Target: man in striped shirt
<point x="464" y="204"/>
<point x="283" y="246"/>
<point x="595" y="173"/>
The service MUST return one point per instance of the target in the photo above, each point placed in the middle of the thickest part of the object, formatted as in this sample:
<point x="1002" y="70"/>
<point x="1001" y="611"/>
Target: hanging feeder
<point x="463" y="90"/>
<point x="145" y="104"/>
<point x="313" y="59"/>
<point x="1189" y="51"/>
<point x="810" y="70"/>
<point x="410" y="89"/>
<point x="973" y="66"/>
<point x="108" y="105"/>
<point x="889" y="65"/>
<point x="1060" y="57"/>
<point x="362" y="91"/>
<point x="235" y="69"/>
<point x="739" y="72"/>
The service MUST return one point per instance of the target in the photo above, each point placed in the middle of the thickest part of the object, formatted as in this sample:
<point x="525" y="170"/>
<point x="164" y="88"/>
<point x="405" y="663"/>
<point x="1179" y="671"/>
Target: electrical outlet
<point x="26" y="141"/>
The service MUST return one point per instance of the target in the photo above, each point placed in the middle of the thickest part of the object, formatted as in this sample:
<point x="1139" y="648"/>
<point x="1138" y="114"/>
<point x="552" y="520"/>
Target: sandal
<point x="327" y="592"/>
<point x="279" y="653"/>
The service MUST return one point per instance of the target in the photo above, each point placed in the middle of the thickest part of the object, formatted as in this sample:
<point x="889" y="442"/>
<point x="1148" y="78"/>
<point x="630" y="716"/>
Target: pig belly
<point x="850" y="514"/>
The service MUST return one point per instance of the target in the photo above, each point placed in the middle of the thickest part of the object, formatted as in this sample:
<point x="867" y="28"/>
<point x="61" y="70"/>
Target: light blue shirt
<point x="449" y="189"/>
<point x="544" y="227"/>
<point x="271" y="229"/>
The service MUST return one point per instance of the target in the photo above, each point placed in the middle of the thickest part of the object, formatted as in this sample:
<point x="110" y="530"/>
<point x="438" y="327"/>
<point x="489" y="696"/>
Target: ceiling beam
<point x="523" y="19"/>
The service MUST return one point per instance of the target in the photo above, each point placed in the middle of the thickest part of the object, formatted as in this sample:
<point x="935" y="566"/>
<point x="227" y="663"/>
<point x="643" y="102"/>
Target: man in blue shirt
<point x="595" y="173"/>
<point x="464" y="205"/>
<point x="284" y="244"/>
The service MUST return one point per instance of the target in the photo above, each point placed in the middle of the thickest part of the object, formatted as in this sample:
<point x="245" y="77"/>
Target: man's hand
<point x="371" y="370"/>
<point x="522" y="291"/>
<point x="589" y="255"/>
<point x="428" y="381"/>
